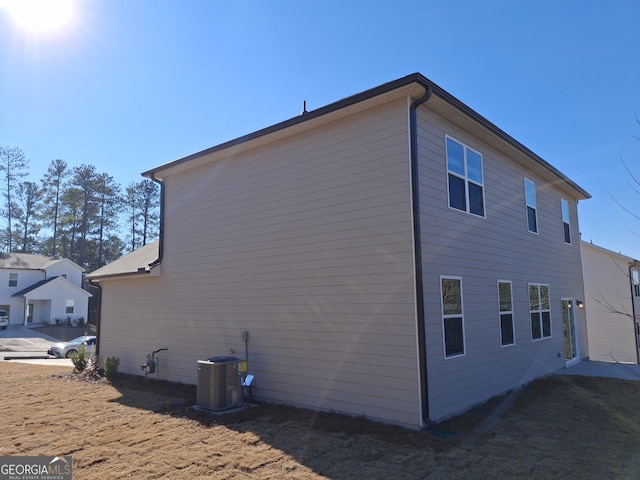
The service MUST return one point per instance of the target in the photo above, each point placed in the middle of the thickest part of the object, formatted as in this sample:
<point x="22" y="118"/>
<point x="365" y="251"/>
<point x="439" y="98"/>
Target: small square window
<point x="69" y="306"/>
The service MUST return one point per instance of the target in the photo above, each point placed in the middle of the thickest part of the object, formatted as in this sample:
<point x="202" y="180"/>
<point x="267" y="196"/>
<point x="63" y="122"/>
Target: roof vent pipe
<point x="304" y="107"/>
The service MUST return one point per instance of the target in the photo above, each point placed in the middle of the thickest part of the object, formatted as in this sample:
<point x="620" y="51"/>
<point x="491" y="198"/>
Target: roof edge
<point x="416" y="78"/>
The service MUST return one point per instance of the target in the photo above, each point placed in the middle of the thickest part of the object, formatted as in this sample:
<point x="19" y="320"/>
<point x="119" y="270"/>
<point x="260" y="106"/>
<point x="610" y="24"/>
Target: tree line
<point x="74" y="212"/>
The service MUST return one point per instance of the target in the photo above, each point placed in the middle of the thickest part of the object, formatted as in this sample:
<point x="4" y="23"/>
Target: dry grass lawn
<point x="559" y="427"/>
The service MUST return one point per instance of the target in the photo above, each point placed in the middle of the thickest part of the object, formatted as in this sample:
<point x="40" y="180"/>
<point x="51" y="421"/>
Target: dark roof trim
<point x="141" y="271"/>
<point x="416" y="78"/>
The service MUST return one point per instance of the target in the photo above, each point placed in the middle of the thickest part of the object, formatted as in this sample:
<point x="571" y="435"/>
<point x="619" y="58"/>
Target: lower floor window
<point x="506" y="313"/>
<point x="452" y="316"/>
<point x="540" y="311"/>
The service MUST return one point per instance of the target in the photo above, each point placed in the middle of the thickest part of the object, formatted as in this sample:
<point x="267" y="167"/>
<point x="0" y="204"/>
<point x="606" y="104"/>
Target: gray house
<point x="393" y="255"/>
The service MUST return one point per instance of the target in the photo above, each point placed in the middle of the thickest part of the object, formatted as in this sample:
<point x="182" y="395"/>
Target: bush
<point x="111" y="366"/>
<point x="79" y="359"/>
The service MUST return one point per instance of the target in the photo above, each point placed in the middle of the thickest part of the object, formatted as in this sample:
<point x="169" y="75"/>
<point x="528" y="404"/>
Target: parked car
<point x="4" y="319"/>
<point x="66" y="349"/>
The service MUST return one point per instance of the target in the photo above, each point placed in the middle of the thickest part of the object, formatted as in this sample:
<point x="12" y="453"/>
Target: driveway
<point x="28" y="345"/>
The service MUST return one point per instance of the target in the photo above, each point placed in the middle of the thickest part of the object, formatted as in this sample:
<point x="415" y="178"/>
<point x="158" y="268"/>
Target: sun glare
<point x="40" y="15"/>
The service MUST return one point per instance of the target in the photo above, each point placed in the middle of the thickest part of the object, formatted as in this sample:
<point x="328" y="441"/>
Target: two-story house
<point x="393" y="255"/>
<point x="36" y="289"/>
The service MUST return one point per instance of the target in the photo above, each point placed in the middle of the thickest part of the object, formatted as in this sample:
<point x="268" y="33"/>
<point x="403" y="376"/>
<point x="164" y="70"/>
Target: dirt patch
<point x="558" y="427"/>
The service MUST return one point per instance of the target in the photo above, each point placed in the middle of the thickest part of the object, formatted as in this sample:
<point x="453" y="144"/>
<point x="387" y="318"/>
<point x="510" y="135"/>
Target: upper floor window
<point x="532" y="212"/>
<point x="566" y="220"/>
<point x="452" y="318"/>
<point x="505" y="303"/>
<point x="540" y="309"/>
<point x="465" y="179"/>
<point x="636" y="282"/>
<point x="13" y="279"/>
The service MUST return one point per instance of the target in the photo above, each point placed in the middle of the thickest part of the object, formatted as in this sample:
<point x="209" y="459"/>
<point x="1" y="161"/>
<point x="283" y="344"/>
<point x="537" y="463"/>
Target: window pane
<point x="455" y="157"/>
<point x="457" y="194"/>
<point x="532" y="221"/>
<point x="504" y="292"/>
<point x="544" y="297"/>
<point x="534" y="300"/>
<point x="546" y="324"/>
<point x="506" y="328"/>
<point x="536" y="331"/>
<point x="567" y="233"/>
<point x="530" y="192"/>
<point x="451" y="296"/>
<point x="565" y="210"/>
<point x="474" y="166"/>
<point x="476" y="202"/>
<point x="453" y="340"/>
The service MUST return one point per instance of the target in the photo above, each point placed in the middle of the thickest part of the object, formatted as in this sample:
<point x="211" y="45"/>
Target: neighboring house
<point x="612" y="293"/>
<point x="393" y="255"/>
<point x="37" y="289"/>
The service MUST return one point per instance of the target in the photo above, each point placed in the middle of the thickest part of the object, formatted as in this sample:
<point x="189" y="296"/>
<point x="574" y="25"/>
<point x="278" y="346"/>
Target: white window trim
<point x="465" y="178"/>
<point x="500" y="312"/>
<point x="540" y="312"/>
<point x="535" y="207"/>
<point x="461" y="314"/>
<point x="567" y="221"/>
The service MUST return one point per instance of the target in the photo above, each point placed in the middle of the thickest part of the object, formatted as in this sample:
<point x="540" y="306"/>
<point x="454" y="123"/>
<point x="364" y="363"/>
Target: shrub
<point x="111" y="366"/>
<point x="79" y="359"/>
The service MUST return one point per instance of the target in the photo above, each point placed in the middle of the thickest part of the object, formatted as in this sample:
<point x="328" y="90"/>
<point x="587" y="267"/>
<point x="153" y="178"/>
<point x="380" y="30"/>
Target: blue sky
<point x="129" y="85"/>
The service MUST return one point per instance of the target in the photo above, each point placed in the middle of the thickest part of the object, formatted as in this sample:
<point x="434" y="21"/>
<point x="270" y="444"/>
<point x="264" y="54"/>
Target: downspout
<point x="417" y="248"/>
<point x="633" y="310"/>
<point x="99" y="316"/>
<point x="161" y="239"/>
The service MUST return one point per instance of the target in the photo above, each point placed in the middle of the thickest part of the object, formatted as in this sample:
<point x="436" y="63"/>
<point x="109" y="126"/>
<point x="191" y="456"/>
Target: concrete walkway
<point x="589" y="368"/>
